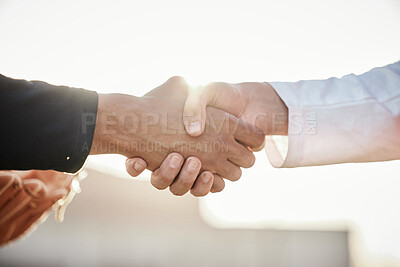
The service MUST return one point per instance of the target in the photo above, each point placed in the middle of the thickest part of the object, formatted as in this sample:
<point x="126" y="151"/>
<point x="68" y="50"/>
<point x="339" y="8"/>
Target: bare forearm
<point x="277" y="109"/>
<point x="115" y="129"/>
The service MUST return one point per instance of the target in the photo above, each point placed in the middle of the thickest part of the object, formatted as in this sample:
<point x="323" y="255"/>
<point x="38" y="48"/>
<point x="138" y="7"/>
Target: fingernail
<point x="194" y="127"/>
<point x="206" y="178"/>
<point x="175" y="162"/>
<point x="137" y="166"/>
<point x="193" y="165"/>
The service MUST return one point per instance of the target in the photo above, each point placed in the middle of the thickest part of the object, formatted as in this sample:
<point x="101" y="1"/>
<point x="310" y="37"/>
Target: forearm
<point x="352" y="119"/>
<point x="116" y="124"/>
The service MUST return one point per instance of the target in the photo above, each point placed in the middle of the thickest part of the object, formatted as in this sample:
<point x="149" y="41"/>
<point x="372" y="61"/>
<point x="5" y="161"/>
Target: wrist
<point x="117" y="118"/>
<point x="280" y="112"/>
<point x="266" y="107"/>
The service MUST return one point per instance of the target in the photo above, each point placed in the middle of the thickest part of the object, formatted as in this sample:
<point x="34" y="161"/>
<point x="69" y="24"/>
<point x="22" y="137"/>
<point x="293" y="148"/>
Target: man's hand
<point x="151" y="127"/>
<point x="166" y="175"/>
<point x="255" y="103"/>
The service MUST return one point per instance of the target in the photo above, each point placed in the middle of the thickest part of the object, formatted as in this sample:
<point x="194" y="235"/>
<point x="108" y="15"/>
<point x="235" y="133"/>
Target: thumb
<point x="135" y="166"/>
<point x="194" y="112"/>
<point x="224" y="96"/>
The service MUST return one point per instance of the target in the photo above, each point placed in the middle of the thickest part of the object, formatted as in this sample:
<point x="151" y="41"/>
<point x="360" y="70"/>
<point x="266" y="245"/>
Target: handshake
<point x="190" y="138"/>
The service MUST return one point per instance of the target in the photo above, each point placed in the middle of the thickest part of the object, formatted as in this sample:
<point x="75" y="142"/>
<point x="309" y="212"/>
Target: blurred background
<point x="341" y="215"/>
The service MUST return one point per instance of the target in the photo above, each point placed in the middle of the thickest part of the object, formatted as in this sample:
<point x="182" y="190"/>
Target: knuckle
<point x="176" y="192"/>
<point x="259" y="137"/>
<point x="155" y="181"/>
<point x="261" y="140"/>
<point x="235" y="149"/>
<point x="186" y="183"/>
<point x="198" y="193"/>
<point x="156" y="185"/>
<point x="132" y="172"/>
<point x="178" y="80"/>
<point x="218" y="185"/>
<point x="217" y="188"/>
<point x="165" y="177"/>
<point x="236" y="174"/>
<point x="212" y="86"/>
<point x="223" y="170"/>
<point x="250" y="160"/>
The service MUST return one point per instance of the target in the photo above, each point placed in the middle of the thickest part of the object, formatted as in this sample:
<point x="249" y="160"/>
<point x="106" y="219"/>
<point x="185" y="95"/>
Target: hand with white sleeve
<point x="355" y="118"/>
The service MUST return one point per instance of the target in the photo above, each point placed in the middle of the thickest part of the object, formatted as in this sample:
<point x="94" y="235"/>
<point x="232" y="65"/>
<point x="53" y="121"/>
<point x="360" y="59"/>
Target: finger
<point x="163" y="177"/>
<point x="260" y="147"/>
<point x="203" y="184"/>
<point x="218" y="185"/>
<point x="229" y="171"/>
<point x="242" y="157"/>
<point x="135" y="166"/>
<point x="186" y="177"/>
<point x="247" y="134"/>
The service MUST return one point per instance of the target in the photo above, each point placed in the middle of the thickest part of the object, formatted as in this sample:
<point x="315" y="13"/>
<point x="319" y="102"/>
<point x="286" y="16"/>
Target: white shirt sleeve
<point x="351" y="119"/>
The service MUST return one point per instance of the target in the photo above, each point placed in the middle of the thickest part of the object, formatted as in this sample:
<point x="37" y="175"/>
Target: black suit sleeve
<point x="43" y="126"/>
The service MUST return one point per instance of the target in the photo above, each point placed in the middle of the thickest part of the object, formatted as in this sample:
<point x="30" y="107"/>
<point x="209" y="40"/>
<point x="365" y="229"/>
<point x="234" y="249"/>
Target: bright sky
<point x="133" y="46"/>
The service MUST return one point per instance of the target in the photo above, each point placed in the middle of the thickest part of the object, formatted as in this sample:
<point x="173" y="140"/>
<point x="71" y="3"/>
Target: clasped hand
<point x="173" y="133"/>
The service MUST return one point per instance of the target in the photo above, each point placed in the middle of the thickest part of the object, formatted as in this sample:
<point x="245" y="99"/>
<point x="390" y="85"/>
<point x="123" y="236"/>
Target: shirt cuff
<point x="287" y="151"/>
<point x="86" y="113"/>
